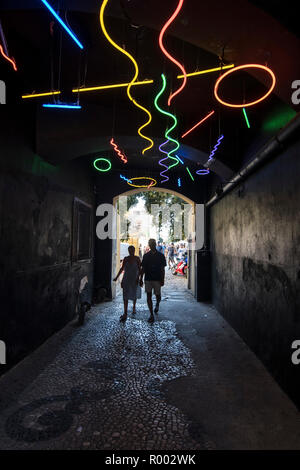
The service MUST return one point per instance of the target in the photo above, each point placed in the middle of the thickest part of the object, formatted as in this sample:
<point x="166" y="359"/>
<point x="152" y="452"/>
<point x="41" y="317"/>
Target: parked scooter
<point x="181" y="267"/>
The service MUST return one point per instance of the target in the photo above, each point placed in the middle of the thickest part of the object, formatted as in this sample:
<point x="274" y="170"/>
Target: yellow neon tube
<point x="114" y="44"/>
<point x="37" y="95"/>
<point x="106" y="87"/>
<point x="201" y="72"/>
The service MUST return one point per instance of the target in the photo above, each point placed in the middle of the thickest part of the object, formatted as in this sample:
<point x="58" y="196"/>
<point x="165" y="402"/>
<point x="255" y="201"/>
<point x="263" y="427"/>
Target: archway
<point x="188" y="217"/>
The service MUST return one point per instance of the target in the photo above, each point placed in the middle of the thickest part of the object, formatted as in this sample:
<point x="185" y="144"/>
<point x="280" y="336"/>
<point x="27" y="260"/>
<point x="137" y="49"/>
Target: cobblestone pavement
<point x="108" y="385"/>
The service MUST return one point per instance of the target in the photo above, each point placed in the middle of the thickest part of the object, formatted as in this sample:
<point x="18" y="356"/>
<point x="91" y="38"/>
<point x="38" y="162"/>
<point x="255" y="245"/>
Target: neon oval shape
<point x="142" y="178"/>
<point x="102" y="160"/>
<point x="202" y="172"/>
<point x="240" y="67"/>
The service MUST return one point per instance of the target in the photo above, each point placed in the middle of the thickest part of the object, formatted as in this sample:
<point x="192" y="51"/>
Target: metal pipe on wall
<point x="277" y="143"/>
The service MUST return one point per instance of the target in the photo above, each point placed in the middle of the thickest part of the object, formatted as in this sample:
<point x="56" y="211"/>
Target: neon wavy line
<point x="168" y="137"/>
<point x="161" y="35"/>
<point x="215" y="148"/>
<point x="125" y="179"/>
<point x="118" y="151"/>
<point x="123" y="51"/>
<point x="162" y="174"/>
<point x="8" y="58"/>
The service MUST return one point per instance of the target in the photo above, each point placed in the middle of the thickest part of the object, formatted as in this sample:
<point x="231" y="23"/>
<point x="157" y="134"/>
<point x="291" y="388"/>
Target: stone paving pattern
<point x="108" y="385"/>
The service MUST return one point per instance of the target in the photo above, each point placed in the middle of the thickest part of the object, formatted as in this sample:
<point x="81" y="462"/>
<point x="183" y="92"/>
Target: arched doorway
<point x="188" y="218"/>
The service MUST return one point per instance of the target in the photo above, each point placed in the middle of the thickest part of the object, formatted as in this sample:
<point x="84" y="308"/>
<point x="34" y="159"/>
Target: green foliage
<point x="160" y="198"/>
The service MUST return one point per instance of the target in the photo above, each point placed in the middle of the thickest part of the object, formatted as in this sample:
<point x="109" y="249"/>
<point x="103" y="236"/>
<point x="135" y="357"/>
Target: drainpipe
<point x="278" y="142"/>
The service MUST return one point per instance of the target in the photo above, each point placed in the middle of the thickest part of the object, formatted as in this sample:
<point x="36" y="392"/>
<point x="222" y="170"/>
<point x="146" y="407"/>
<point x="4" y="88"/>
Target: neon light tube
<point x="168" y="137"/>
<point x="201" y="72"/>
<point x="107" y="87"/>
<point x="118" y="151"/>
<point x="63" y="24"/>
<point x="241" y="67"/>
<point x="172" y="59"/>
<point x="198" y="124"/>
<point x="246" y="118"/>
<point x="37" y="95"/>
<point x="102" y="160"/>
<point x="125" y="179"/>
<point x="62" y="106"/>
<point x="123" y="51"/>
<point x="179" y="159"/>
<point x="202" y="172"/>
<point x="179" y="182"/>
<point x="142" y="178"/>
<point x="8" y="58"/>
<point x="188" y="170"/>
<point x="162" y="174"/>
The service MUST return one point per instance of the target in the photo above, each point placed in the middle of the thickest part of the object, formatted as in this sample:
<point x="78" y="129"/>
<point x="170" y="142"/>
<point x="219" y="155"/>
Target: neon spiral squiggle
<point x="162" y="174"/>
<point x="161" y="35"/>
<point x="168" y="137"/>
<point x="118" y="151"/>
<point x="123" y="51"/>
<point x="215" y="148"/>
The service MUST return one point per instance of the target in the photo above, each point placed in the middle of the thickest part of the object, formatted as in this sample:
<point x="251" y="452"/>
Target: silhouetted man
<point x="153" y="266"/>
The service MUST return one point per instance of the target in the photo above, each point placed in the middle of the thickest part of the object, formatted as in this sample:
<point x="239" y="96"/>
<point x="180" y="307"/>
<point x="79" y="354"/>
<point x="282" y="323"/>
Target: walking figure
<point x="130" y="283"/>
<point x="153" y="267"/>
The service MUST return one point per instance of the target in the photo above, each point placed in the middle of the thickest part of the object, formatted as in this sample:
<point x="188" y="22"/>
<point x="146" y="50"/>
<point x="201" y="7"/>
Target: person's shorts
<point x="149" y="285"/>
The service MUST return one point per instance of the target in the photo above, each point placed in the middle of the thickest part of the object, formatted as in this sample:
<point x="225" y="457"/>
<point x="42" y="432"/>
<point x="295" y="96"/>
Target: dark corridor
<point x="71" y="141"/>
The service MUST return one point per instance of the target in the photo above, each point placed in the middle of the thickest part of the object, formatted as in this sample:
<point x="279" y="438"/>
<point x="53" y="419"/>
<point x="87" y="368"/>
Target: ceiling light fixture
<point x="242" y="67"/>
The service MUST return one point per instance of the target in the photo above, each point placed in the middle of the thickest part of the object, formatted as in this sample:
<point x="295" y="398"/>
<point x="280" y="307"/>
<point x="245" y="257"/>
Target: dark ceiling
<point x="238" y="31"/>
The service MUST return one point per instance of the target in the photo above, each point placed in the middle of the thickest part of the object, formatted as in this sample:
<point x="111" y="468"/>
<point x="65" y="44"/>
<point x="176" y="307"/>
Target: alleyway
<point x="185" y="382"/>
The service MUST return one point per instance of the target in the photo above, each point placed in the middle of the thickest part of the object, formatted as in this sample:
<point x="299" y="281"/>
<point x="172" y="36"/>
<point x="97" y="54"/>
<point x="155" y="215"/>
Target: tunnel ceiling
<point x="203" y="35"/>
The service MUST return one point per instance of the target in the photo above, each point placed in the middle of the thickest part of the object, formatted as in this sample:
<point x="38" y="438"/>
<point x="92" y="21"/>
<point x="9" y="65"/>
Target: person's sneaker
<point x="151" y="319"/>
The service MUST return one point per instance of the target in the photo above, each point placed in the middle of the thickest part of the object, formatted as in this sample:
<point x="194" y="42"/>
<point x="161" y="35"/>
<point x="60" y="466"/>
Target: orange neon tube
<point x="8" y="58"/>
<point x="198" y="124"/>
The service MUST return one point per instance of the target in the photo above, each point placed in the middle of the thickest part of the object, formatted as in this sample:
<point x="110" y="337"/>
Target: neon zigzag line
<point x="116" y="148"/>
<point x="168" y="137"/>
<point x="215" y="148"/>
<point x="123" y="51"/>
<point x="8" y="58"/>
<point x="165" y="27"/>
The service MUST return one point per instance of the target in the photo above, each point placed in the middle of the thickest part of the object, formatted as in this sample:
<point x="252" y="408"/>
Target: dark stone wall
<point x="38" y="281"/>
<point x="255" y="242"/>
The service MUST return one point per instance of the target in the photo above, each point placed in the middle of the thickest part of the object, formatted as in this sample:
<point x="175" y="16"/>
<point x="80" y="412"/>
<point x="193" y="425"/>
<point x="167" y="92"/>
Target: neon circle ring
<point x="240" y="67"/>
<point x="102" y="160"/>
<point x="152" y="182"/>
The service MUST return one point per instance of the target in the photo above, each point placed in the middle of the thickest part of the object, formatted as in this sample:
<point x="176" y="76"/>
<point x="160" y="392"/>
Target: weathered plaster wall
<point x="255" y="242"/>
<point x="37" y="279"/>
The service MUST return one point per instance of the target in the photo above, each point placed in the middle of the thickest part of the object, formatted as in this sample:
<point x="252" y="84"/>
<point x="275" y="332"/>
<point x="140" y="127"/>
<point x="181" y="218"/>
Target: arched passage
<point x="188" y="215"/>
